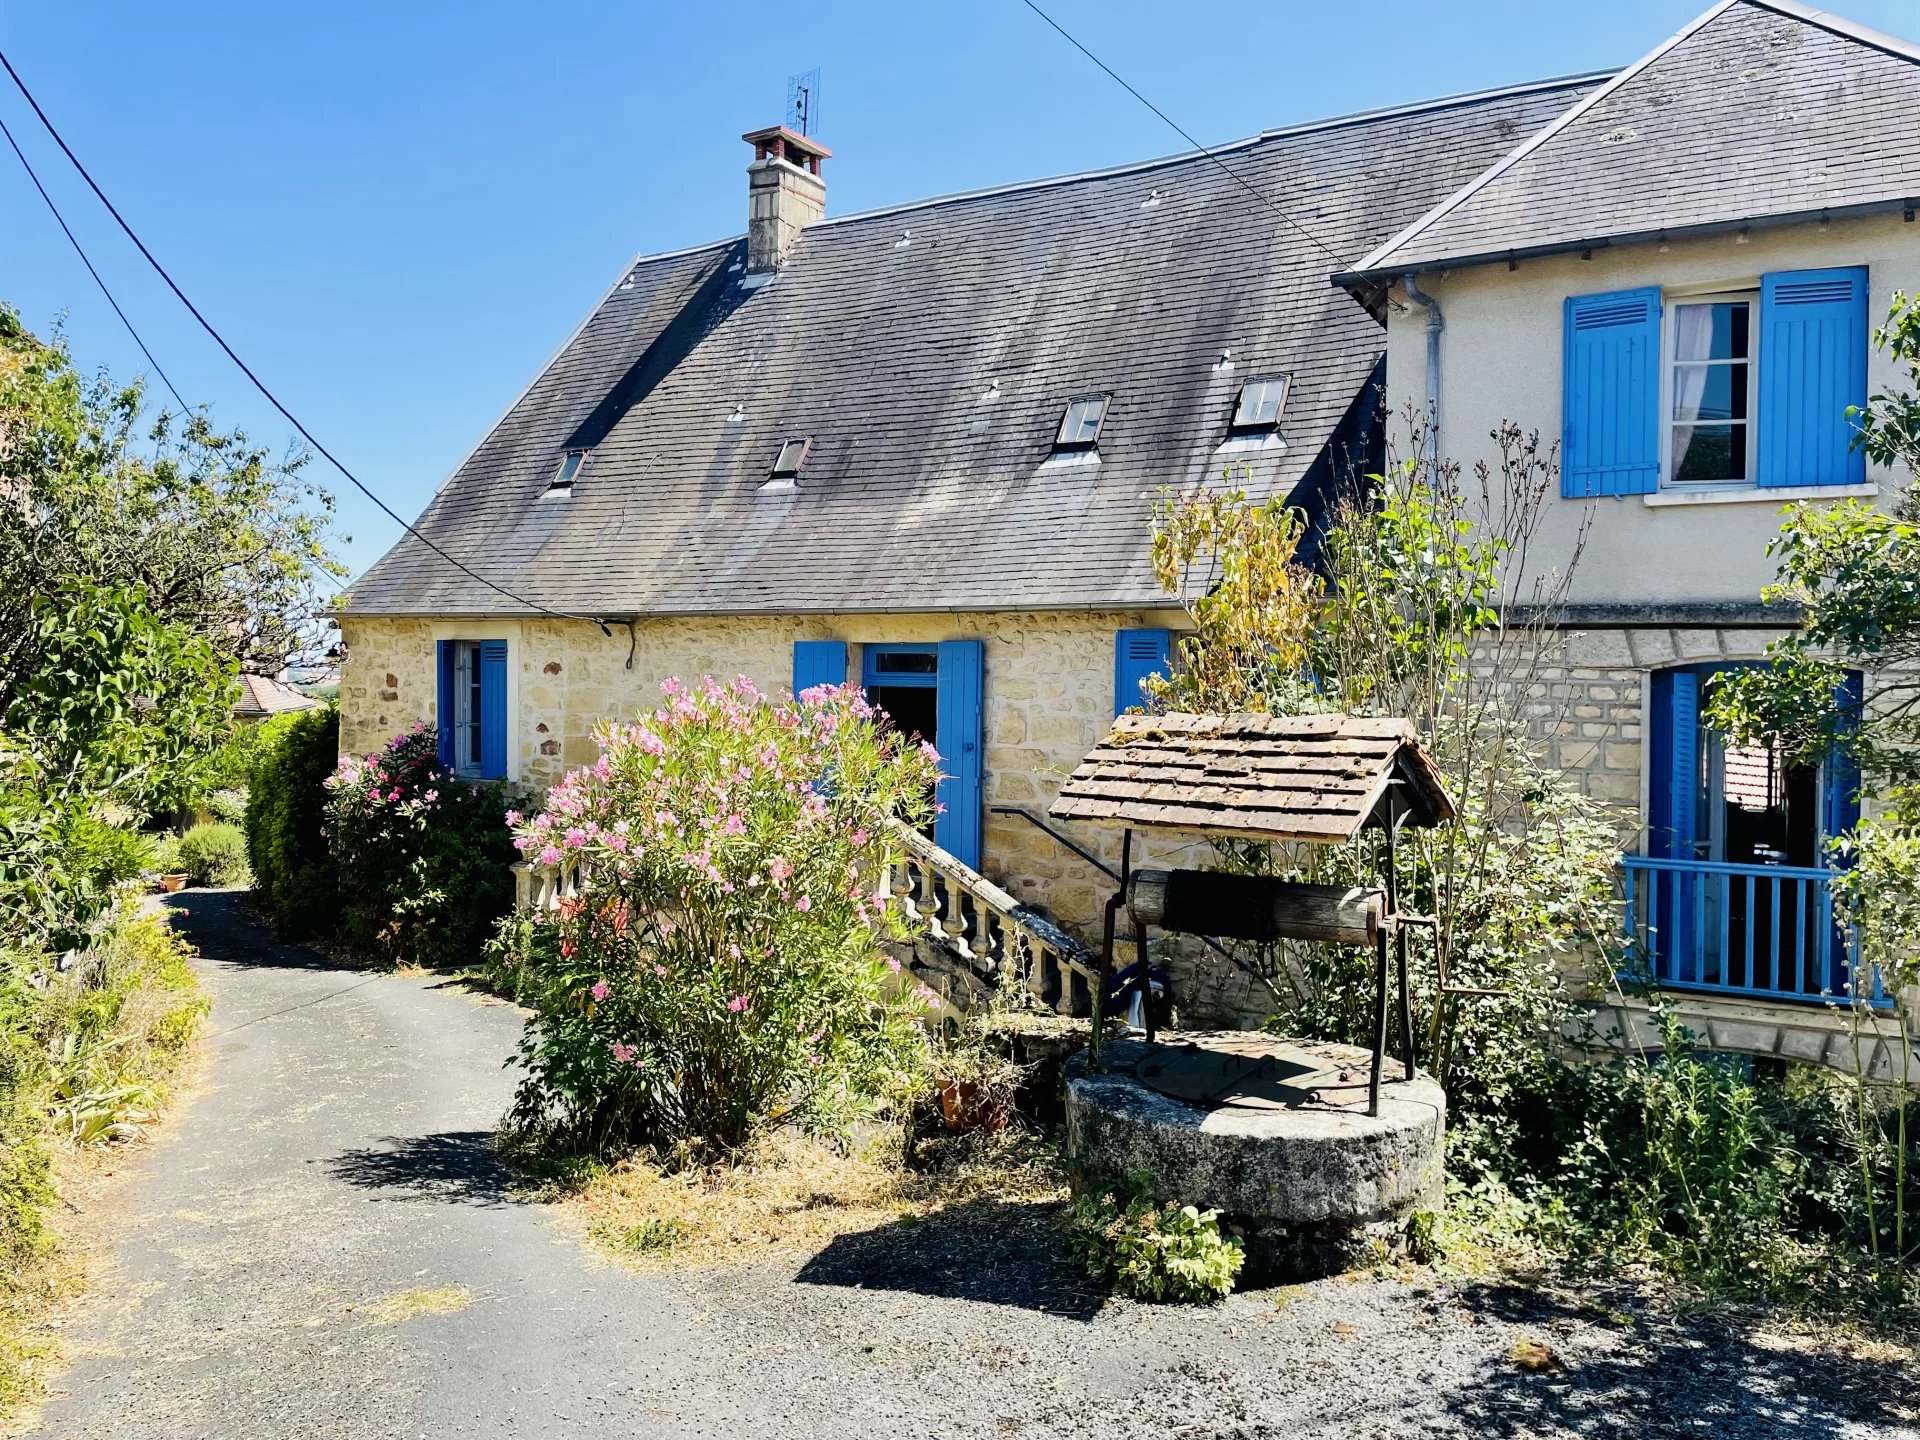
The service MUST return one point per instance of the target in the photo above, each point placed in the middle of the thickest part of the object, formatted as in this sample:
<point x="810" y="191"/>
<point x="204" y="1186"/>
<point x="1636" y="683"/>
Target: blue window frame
<point x="472" y="704"/>
<point x="901" y="666"/>
<point x="1730" y="389"/>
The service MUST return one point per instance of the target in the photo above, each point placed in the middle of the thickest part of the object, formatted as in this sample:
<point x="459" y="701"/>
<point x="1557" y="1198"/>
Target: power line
<point x="256" y="381"/>
<point x="60" y="220"/>
<point x="87" y="261"/>
<point x="1175" y="126"/>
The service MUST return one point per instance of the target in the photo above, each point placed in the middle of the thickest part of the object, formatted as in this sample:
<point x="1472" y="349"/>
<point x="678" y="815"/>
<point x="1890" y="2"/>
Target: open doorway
<point x="904" y="682"/>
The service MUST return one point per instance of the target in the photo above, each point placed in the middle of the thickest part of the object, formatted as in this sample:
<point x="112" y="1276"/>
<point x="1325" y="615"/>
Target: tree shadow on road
<point x="1710" y="1372"/>
<point x="456" y="1167"/>
<point x="995" y="1251"/>
<point x="222" y="927"/>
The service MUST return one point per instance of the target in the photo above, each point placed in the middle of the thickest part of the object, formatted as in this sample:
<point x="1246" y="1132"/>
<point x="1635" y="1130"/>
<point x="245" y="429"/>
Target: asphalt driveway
<point x="323" y="1245"/>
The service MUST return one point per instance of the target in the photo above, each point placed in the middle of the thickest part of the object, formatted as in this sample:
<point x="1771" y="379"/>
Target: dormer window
<point x="566" y="472"/>
<point x="1257" y="411"/>
<point x="793" y="454"/>
<point x="1080" y="426"/>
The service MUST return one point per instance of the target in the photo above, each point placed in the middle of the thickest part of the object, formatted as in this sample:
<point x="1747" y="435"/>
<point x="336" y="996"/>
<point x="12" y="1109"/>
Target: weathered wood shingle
<point x="1317" y="778"/>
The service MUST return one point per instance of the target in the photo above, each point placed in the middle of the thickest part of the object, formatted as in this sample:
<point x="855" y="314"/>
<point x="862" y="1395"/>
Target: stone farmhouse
<point x="918" y="448"/>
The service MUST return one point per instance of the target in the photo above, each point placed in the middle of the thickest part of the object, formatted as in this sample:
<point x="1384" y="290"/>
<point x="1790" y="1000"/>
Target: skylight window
<point x="1257" y="411"/>
<point x="1080" y="426"/>
<point x="793" y="454"/>
<point x="566" y="472"/>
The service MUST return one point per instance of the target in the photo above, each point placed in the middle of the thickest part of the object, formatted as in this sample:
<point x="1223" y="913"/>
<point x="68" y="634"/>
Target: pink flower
<point x="514" y="817"/>
<point x="599" y="991"/>
<point x="803" y="904"/>
<point x="858" y="838"/>
<point x="736" y="825"/>
<point x="779" y="868"/>
<point x="616" y="842"/>
<point x="893" y="965"/>
<point x="430" y="796"/>
<point x="737" y="1004"/>
<point x="575" y="838"/>
<point x="622" y="1053"/>
<point x="550" y="855"/>
<point x="660" y="970"/>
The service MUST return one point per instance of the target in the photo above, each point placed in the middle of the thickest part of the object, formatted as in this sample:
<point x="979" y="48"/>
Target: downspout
<point x="1435" y="324"/>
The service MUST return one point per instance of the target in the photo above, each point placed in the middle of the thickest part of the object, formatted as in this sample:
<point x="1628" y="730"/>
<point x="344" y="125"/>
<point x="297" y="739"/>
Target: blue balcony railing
<point x="1765" y="931"/>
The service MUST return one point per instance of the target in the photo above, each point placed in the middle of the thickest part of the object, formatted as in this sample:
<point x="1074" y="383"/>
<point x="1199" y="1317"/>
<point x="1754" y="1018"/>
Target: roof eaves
<point x="1379" y="260"/>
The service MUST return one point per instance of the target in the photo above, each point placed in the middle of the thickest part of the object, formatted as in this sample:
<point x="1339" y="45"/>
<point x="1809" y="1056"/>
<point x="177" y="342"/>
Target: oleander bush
<point x="423" y="858"/>
<point x="214" y="853"/>
<point x="722" y="971"/>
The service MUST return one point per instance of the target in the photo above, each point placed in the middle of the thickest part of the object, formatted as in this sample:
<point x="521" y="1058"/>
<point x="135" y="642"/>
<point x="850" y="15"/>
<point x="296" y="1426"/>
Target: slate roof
<point x="1317" y="778"/>
<point x="1760" y="110"/>
<point x="929" y="350"/>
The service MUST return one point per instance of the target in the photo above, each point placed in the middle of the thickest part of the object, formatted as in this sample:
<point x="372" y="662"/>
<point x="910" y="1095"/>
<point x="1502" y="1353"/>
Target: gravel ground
<point x="323" y="1246"/>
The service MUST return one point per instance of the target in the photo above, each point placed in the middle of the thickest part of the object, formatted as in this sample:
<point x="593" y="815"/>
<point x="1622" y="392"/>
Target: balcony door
<point x="1746" y="906"/>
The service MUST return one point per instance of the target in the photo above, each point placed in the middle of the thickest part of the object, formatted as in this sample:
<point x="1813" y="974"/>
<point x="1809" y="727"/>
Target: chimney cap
<point x="788" y="144"/>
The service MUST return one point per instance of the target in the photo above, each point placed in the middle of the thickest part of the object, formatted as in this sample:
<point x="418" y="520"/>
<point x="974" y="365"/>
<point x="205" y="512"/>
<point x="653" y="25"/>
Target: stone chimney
<point x="785" y="193"/>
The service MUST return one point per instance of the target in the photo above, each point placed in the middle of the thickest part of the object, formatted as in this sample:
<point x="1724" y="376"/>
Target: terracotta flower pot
<point x="173" y="884"/>
<point x="965" y="1107"/>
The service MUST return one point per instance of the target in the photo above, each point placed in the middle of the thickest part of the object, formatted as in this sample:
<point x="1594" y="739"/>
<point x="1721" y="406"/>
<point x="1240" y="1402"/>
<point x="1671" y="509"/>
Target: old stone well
<point x="1311" y="1150"/>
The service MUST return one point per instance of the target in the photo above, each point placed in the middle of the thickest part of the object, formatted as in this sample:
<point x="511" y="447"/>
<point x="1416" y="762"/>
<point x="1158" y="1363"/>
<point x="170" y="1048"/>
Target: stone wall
<point x="1048" y="700"/>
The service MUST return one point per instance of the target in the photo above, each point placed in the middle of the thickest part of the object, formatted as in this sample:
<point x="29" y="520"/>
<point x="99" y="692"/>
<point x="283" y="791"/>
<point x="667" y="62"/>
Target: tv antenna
<point x="803" y="102"/>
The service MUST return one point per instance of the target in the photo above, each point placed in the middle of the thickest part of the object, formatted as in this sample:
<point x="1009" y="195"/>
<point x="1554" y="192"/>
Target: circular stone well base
<point x="1293" y="1161"/>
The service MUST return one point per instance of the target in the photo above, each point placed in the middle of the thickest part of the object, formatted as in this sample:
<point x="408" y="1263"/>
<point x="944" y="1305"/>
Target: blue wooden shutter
<point x="1674" y="793"/>
<point x="493" y="709"/>
<point x="1813" y="365"/>
<point x="443" y="712"/>
<point x="1610" y="405"/>
<point x="819" y="662"/>
<point x="1840" y="780"/>
<point x="957" y="718"/>
<point x="1136" y="655"/>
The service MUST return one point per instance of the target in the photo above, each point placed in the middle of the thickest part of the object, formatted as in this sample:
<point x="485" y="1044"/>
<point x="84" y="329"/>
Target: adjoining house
<point x="264" y="696"/>
<point x="1680" y="275"/>
<point x="918" y="448"/>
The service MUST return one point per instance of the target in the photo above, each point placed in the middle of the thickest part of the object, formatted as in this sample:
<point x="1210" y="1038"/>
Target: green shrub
<point x="1150" y="1251"/>
<point x="723" y="970"/>
<point x="164" y="857"/>
<point x="228" y="805"/>
<point x="214" y="853"/>
<point x="1690" y="1163"/>
<point x="286" y="820"/>
<point x="429" y="854"/>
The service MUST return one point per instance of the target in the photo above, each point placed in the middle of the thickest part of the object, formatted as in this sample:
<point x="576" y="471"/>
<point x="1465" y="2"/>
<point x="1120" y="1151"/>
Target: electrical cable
<point x="66" y="230"/>
<point x="1177" y="129"/>
<point x="256" y="381"/>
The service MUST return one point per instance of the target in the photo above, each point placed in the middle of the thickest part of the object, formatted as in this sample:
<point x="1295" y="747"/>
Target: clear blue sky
<point x="397" y="211"/>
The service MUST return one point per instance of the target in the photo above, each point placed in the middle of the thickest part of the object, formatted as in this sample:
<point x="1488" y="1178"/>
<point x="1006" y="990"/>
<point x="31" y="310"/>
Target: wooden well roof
<point x="1316" y="778"/>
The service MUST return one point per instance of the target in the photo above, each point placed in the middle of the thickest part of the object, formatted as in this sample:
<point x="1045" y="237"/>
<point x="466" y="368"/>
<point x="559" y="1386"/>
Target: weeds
<point x="86" y="1056"/>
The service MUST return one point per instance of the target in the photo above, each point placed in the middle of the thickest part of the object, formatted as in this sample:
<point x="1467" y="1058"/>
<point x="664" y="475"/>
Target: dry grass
<point x="436" y="1300"/>
<point x="794" y="1195"/>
